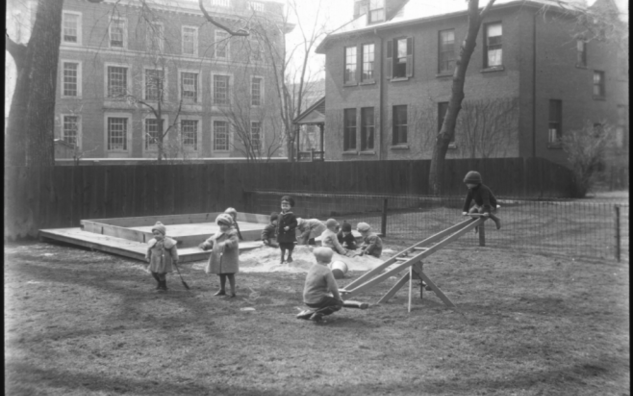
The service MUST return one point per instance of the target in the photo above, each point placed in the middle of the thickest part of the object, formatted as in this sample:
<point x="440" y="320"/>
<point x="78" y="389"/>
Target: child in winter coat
<point x="224" y="258"/>
<point x="329" y="238"/>
<point x="485" y="201"/>
<point x="161" y="253"/>
<point x="286" y="228"/>
<point x="269" y="233"/>
<point x="372" y="244"/>
<point x="310" y="229"/>
<point x="233" y="214"/>
<point x="346" y="238"/>
<point x="320" y="292"/>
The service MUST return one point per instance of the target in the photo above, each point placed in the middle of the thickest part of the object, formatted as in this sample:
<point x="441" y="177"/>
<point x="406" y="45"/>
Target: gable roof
<point x="314" y="114"/>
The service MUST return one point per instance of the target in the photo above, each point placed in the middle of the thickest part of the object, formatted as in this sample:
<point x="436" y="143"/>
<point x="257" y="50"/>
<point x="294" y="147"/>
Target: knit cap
<point x="159" y="227"/>
<point x="231" y="211"/>
<point x="288" y="199"/>
<point x="472" y="177"/>
<point x="274" y="216"/>
<point x="347" y="227"/>
<point x="224" y="218"/>
<point x="331" y="223"/>
<point x="363" y="227"/>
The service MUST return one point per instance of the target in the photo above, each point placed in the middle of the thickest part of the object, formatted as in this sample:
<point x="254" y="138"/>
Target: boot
<point x="220" y="292"/>
<point x="157" y="280"/>
<point x="165" y="285"/>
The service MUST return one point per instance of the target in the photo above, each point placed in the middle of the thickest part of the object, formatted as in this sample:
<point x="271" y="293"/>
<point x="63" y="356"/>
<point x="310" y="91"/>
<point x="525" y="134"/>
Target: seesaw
<point x="410" y="259"/>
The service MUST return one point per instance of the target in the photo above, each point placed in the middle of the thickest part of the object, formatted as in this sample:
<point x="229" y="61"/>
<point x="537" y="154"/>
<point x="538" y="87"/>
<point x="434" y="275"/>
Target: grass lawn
<point x="86" y="323"/>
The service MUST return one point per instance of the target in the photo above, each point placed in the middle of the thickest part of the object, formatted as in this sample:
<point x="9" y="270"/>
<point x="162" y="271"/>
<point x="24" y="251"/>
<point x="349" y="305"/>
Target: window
<point x="399" y="124"/>
<point x="349" y="133"/>
<point x="190" y="40"/>
<point x="256" y="51"/>
<point x="367" y="128"/>
<point x="189" y="87"/>
<point x="70" y="129"/>
<point x="189" y="133"/>
<point x="221" y="44"/>
<point x="400" y="58"/>
<point x="71" y="78"/>
<point x="220" y="89"/>
<point x="376" y="11"/>
<point x="256" y="6"/>
<point x="117" y="81"/>
<point x="152" y="133"/>
<point x="350" y="65"/>
<point x="581" y="53"/>
<point x="493" y="52"/>
<point x="256" y="91"/>
<point x="442" y="108"/>
<point x="117" y="134"/>
<point x="367" y="74"/>
<point x="221" y="3"/>
<point x="156" y="37"/>
<point x="117" y="33"/>
<point x="154" y="80"/>
<point x="621" y="129"/>
<point x="220" y="136"/>
<point x="256" y="130"/>
<point x="71" y="28"/>
<point x="555" y="127"/>
<point x="598" y="84"/>
<point x="446" y="51"/>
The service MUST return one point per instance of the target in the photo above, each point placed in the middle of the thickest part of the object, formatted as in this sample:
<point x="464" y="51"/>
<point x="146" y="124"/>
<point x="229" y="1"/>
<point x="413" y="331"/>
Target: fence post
<point x="616" y="209"/>
<point x="383" y="221"/>
<point x="482" y="234"/>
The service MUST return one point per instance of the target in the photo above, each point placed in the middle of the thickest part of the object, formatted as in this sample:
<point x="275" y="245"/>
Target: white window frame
<point x="195" y="40"/>
<point x="79" y="78"/>
<point x="377" y="13"/>
<point x="229" y="91"/>
<point x="79" y="26"/>
<point x="198" y="133"/>
<point x="118" y="18"/>
<point x="198" y="85"/>
<point x="229" y="133"/>
<point x="153" y="149"/>
<point x="128" y="143"/>
<point x="165" y="87"/>
<point x="487" y="49"/>
<point x="261" y="91"/>
<point x="216" y="44"/>
<point x="150" y="36"/>
<point x="105" y="79"/>
<point x="61" y="129"/>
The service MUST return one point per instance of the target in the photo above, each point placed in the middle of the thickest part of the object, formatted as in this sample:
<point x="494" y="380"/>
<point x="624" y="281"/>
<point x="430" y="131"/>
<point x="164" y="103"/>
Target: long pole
<point x="383" y="222"/>
<point x="616" y="209"/>
<point x="410" y="286"/>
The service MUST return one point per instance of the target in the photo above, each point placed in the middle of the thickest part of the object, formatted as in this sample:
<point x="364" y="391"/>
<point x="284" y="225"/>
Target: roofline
<point x="308" y="110"/>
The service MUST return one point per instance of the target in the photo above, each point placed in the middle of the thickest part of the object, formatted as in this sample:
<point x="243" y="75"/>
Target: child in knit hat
<point x="372" y="244"/>
<point x="329" y="238"/>
<point x="485" y="201"/>
<point x="269" y="233"/>
<point x="345" y="236"/>
<point x="286" y="228"/>
<point x="161" y="253"/>
<point x="233" y="213"/>
<point x="224" y="258"/>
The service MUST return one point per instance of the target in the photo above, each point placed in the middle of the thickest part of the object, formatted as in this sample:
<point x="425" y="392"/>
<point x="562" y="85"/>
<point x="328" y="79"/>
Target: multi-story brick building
<point x="216" y="92"/>
<point x="529" y="81"/>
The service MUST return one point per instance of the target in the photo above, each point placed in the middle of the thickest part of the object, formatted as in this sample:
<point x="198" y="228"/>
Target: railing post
<point x="383" y="221"/>
<point x="311" y="155"/>
<point x="616" y="209"/>
<point x="482" y="234"/>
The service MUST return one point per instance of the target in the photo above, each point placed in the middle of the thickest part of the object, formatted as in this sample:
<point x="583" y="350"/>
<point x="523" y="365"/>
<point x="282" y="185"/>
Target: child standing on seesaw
<point x="286" y="228"/>
<point x="485" y="201"/>
<point x="320" y="292"/>
<point x="224" y="258"/>
<point x="161" y="253"/>
<point x="309" y="229"/>
<point x="346" y="238"/>
<point x="372" y="244"/>
<point x="269" y="233"/>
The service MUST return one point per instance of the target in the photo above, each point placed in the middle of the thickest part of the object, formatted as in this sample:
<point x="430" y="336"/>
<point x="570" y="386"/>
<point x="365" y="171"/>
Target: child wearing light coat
<point x="320" y="292"/>
<point x="310" y="229"/>
<point x="329" y="238"/>
<point x="161" y="254"/>
<point x="372" y="244"/>
<point x="224" y="258"/>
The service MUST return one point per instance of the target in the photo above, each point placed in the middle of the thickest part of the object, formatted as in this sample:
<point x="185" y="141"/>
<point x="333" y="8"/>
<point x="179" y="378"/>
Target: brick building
<point x="215" y="93"/>
<point x="389" y="75"/>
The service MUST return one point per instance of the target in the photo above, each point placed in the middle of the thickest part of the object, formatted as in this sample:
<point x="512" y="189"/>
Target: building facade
<point x="389" y="76"/>
<point x="123" y="67"/>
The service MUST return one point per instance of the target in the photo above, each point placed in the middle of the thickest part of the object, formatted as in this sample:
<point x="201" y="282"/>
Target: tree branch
<point x="241" y="32"/>
<point x="486" y="9"/>
<point x="17" y="51"/>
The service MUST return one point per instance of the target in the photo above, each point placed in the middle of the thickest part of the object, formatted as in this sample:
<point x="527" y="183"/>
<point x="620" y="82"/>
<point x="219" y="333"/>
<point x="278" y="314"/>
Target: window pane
<point x="220" y="90"/>
<point x="189" y="40"/>
<point x="554" y="132"/>
<point x="256" y="136"/>
<point x="256" y="98"/>
<point x="399" y="124"/>
<point x="493" y="30"/>
<point x="117" y="29"/>
<point x="117" y="81"/>
<point x="70" y="71"/>
<point x="220" y="136"/>
<point x="189" y="87"/>
<point x="368" y="62"/>
<point x="117" y="133"/>
<point x="70" y="129"/>
<point x="446" y="54"/>
<point x="349" y="142"/>
<point x="153" y="84"/>
<point x="350" y="64"/>
<point x="221" y="44"/>
<point x="189" y="133"/>
<point x="70" y="28"/>
<point x="367" y="128"/>
<point x="151" y="133"/>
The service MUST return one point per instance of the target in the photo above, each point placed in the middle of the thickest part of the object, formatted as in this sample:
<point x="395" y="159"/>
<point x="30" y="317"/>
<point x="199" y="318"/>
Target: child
<point x="346" y="238"/>
<point x="159" y="262"/>
<point x="485" y="201"/>
<point x="329" y="238"/>
<point x="310" y="229"/>
<point x="286" y="228"/>
<point x="224" y="259"/>
<point x="320" y="291"/>
<point x="372" y="244"/>
<point x="269" y="233"/>
<point x="233" y="214"/>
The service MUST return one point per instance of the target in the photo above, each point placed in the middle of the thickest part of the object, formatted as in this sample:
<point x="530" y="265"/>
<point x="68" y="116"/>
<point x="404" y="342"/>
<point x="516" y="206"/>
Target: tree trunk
<point x="438" y="160"/>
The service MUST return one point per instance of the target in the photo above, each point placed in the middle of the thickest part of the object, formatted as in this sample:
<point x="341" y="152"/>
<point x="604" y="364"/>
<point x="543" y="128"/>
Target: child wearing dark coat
<point x="485" y="201"/>
<point x="372" y="244"/>
<point x="320" y="292"/>
<point x="346" y="238"/>
<point x="161" y="253"/>
<point x="269" y="233"/>
<point x="286" y="228"/>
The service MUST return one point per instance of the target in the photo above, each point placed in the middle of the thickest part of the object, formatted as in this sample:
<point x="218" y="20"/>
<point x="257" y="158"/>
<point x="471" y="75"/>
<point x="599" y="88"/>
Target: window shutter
<point x="409" y="70"/>
<point x="389" y="68"/>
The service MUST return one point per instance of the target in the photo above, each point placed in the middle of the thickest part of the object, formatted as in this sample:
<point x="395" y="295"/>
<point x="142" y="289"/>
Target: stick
<point x="182" y="280"/>
<point x="410" y="286"/>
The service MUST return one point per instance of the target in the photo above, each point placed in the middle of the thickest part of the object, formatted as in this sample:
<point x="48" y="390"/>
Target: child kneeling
<point x="320" y="292"/>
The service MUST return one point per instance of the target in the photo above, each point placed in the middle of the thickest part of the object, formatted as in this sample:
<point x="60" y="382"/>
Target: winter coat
<point x="482" y="196"/>
<point x="329" y="239"/>
<point x="224" y="258"/>
<point x="347" y="241"/>
<point x="372" y="245"/>
<point x="161" y="255"/>
<point x="310" y="229"/>
<point x="287" y="219"/>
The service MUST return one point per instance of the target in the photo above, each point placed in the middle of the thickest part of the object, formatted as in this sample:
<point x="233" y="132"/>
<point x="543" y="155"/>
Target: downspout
<point x="380" y="98"/>
<point x="534" y="86"/>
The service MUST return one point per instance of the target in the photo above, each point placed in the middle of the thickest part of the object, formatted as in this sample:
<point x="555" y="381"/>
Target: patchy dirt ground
<point x="79" y="322"/>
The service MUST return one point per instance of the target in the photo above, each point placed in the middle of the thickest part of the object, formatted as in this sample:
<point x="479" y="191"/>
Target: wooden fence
<point x="61" y="196"/>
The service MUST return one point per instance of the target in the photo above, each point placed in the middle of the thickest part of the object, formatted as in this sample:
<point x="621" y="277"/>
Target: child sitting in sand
<point x="329" y="238"/>
<point x="346" y="238"/>
<point x="269" y="233"/>
<point x="161" y="253"/>
<point x="320" y="292"/>
<point x="310" y="229"/>
<point x="372" y="244"/>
